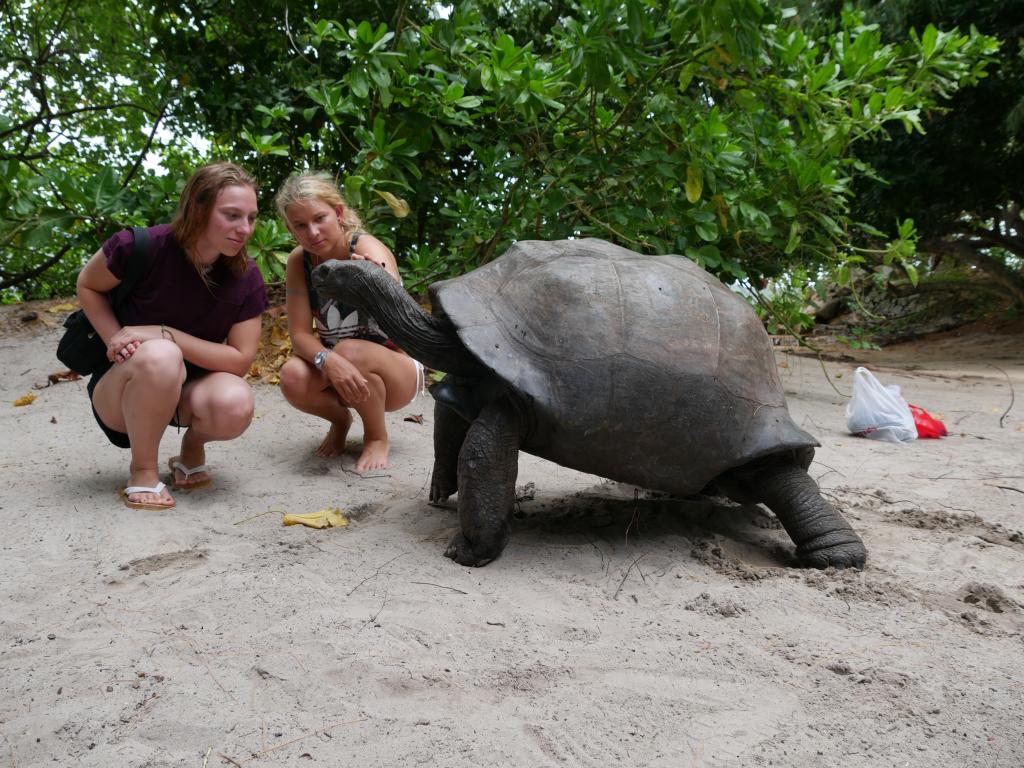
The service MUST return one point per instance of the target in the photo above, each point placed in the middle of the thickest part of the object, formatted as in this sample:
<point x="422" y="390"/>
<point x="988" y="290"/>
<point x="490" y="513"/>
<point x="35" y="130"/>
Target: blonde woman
<point x="185" y="336"/>
<point x="341" y="360"/>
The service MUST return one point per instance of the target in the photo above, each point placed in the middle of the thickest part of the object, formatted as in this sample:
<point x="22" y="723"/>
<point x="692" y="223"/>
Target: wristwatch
<point x="319" y="359"/>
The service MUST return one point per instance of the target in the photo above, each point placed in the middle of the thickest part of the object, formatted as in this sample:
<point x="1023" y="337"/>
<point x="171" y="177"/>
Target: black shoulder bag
<point x="82" y="349"/>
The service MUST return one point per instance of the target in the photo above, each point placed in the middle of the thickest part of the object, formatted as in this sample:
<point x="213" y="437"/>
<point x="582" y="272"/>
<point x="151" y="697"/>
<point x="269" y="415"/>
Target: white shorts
<point x="421" y="382"/>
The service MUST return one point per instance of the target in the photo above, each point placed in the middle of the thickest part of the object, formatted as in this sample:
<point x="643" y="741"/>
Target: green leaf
<point x="794" y="237"/>
<point x="359" y="82"/>
<point x="911" y="271"/>
<point x="708" y="232"/>
<point x="928" y="40"/>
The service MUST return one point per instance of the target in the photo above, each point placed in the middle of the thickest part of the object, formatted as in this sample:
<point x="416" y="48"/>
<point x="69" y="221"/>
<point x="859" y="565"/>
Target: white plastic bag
<point x="879" y="411"/>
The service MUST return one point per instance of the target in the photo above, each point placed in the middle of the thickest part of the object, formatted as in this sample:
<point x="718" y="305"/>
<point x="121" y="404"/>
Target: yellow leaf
<point x="66" y="307"/>
<point x="723" y="208"/>
<point x="398" y="206"/>
<point x="694" y="183"/>
<point x="330" y="517"/>
<point x="279" y="335"/>
<point x="24" y="400"/>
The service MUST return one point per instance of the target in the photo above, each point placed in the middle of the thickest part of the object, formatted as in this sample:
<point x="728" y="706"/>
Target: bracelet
<point x="165" y="333"/>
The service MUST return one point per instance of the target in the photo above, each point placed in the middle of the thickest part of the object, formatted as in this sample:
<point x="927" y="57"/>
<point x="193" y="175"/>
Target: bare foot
<point x="334" y="443"/>
<point x="374" y="456"/>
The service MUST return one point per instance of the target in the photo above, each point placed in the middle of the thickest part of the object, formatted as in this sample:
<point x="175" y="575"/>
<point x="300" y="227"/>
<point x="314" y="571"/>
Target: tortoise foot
<point x="840" y="556"/>
<point x="441" y="487"/>
<point x="461" y="550"/>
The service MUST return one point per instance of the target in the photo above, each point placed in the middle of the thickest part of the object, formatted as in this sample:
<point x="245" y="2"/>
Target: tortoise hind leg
<point x="488" y="466"/>
<point x="822" y="536"/>
<point x="449" y="434"/>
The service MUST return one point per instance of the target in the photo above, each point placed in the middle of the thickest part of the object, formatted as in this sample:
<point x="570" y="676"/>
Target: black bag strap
<point x="307" y="269"/>
<point x="137" y="266"/>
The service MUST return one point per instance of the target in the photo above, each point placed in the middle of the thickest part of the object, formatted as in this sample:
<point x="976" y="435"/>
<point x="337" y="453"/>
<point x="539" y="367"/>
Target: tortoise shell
<point x="642" y="369"/>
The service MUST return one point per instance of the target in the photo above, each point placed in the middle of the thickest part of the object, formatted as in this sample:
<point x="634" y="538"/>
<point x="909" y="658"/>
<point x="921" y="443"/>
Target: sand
<point x="616" y="629"/>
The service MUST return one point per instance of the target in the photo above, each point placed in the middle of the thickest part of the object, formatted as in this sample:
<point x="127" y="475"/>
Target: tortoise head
<point x="354" y="283"/>
<point x="365" y="286"/>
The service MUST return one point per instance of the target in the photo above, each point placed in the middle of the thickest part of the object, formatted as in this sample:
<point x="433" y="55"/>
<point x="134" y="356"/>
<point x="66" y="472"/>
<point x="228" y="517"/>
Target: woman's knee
<point x="296" y="378"/>
<point x="356" y="351"/>
<point x="230" y="407"/>
<point x="158" y="362"/>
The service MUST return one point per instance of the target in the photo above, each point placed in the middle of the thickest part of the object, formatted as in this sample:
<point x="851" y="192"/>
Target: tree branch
<point x="35" y="271"/>
<point x="962" y="251"/>
<point x="145" y="147"/>
<point x="42" y="118"/>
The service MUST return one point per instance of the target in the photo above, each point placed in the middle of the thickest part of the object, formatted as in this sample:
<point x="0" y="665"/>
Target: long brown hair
<point x="196" y="204"/>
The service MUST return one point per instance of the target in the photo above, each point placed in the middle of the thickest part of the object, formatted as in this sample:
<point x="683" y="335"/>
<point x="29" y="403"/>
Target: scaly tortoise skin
<point x="642" y="369"/>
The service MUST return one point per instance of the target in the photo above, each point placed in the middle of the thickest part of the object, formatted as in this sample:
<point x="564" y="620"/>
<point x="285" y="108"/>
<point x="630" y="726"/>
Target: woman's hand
<point x="125" y="342"/>
<point x="360" y="257"/>
<point x="346" y="379"/>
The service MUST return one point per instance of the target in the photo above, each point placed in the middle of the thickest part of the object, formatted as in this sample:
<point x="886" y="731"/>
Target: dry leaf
<point x="397" y="205"/>
<point x="24" y="400"/>
<point x="279" y="335"/>
<point x="330" y="517"/>
<point x="62" y="308"/>
<point x="57" y="378"/>
<point x="416" y="418"/>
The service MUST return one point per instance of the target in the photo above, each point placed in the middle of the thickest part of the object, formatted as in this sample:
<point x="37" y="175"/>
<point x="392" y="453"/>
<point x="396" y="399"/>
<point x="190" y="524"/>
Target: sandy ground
<point x="615" y="630"/>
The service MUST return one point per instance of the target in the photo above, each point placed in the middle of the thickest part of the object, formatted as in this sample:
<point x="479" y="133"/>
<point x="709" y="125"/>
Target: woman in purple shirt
<point x="186" y="335"/>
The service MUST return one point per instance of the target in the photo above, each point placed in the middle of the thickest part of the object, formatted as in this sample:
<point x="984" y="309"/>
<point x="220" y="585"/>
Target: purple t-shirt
<point x="172" y="293"/>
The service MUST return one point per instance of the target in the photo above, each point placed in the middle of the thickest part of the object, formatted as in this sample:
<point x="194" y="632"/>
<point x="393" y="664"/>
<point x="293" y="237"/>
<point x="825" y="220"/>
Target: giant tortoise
<point x="642" y="369"/>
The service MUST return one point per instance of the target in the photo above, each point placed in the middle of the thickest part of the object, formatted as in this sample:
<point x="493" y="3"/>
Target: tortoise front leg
<point x="449" y="434"/>
<point x="822" y="536"/>
<point x="488" y="465"/>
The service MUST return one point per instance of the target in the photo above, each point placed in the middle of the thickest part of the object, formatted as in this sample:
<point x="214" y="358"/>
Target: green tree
<point x="79" y="113"/>
<point x="962" y="182"/>
<point x="719" y="129"/>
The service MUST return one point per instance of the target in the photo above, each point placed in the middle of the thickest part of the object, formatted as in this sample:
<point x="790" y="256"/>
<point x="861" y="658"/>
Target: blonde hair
<point x="316" y="185"/>
<point x="196" y="204"/>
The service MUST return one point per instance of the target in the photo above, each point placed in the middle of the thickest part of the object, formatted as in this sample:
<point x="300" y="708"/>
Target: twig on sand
<point x="626" y="575"/>
<point x="205" y="663"/>
<point x="206" y="759"/>
<point x="268" y="750"/>
<point x="1010" y="383"/>
<point x="442" y="586"/>
<point x="373" y="618"/>
<point x="261" y="514"/>
<point x="1009" y="488"/>
<point x="360" y="475"/>
<point x="635" y="519"/>
<point x="375" y="573"/>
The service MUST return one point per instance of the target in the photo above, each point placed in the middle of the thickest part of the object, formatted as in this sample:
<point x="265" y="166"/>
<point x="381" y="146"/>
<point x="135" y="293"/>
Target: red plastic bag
<point x="927" y="425"/>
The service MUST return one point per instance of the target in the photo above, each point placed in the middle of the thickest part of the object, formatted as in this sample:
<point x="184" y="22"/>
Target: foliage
<point x="78" y="115"/>
<point x="269" y="247"/>
<point x="961" y="182"/>
<point x="718" y="129"/>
